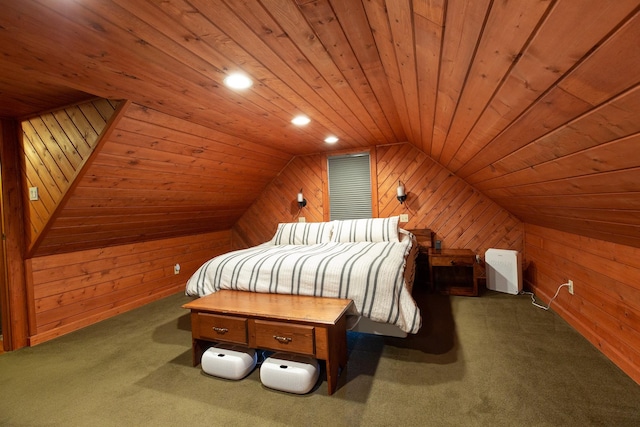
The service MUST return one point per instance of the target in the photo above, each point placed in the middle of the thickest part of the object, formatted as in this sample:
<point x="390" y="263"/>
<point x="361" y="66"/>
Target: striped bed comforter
<point x="371" y="274"/>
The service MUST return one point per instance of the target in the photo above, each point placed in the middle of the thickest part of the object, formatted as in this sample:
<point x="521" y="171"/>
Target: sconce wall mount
<point x="302" y="202"/>
<point x="401" y="193"/>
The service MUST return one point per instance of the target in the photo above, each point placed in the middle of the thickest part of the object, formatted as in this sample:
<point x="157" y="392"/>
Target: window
<point x="349" y="186"/>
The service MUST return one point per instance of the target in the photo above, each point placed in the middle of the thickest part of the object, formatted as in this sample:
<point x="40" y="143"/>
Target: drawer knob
<point x="453" y="262"/>
<point x="220" y="330"/>
<point x="283" y="340"/>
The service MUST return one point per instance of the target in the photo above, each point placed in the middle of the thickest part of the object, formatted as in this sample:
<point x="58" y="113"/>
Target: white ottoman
<point x="232" y="362"/>
<point x="289" y="372"/>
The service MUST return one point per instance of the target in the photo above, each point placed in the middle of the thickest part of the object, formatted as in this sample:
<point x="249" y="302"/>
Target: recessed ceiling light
<point x="238" y="81"/>
<point x="331" y="139"/>
<point x="300" y="120"/>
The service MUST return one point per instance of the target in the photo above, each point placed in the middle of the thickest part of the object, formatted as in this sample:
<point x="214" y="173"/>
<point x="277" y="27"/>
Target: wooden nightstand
<point x="424" y="239"/>
<point x="454" y="271"/>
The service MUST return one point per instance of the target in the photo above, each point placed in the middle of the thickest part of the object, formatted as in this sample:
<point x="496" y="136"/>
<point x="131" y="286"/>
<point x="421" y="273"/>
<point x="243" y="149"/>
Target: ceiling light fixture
<point x="238" y="81"/>
<point x="331" y="139"/>
<point x="301" y="120"/>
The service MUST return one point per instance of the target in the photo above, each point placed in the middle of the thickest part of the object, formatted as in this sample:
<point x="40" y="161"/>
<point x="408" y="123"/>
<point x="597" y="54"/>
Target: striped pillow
<point x="366" y="230"/>
<point x="302" y="233"/>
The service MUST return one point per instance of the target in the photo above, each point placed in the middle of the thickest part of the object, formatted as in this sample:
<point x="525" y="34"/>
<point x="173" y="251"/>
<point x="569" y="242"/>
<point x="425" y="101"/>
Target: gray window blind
<point x="349" y="187"/>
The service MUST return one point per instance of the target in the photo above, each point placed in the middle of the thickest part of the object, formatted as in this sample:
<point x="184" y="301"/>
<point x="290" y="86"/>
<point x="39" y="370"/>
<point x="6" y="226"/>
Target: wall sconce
<point x="301" y="201"/>
<point x="402" y="195"/>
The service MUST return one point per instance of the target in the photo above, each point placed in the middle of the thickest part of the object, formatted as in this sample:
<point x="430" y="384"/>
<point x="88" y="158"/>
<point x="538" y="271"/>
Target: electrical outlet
<point x="404" y="218"/>
<point x="302" y="219"/>
<point x="571" y="287"/>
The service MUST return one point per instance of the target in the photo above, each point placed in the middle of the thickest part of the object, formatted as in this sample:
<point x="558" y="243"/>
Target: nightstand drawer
<point x="221" y="328"/>
<point x="448" y="261"/>
<point x="285" y="337"/>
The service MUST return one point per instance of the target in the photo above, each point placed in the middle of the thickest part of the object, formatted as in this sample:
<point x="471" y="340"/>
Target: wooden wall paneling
<point x="379" y="23"/>
<point x="104" y="128"/>
<point x="85" y="134"/>
<point x="360" y="37"/>
<point x="594" y="81"/>
<point x="282" y="60"/>
<point x="67" y="155"/>
<point x="401" y="25"/>
<point x="631" y="230"/>
<point x="71" y="272"/>
<point x="30" y="297"/>
<point x="428" y="29"/>
<point x="159" y="125"/>
<point x="613" y="120"/>
<point x="618" y="155"/>
<point x="459" y="215"/>
<point x="278" y="61"/>
<point x="277" y="203"/>
<point x="126" y="49"/>
<point x="607" y="72"/>
<point x="309" y="174"/>
<point x="606" y="302"/>
<point x="492" y="232"/>
<point x="150" y="147"/>
<point x="448" y="223"/>
<point x="417" y="184"/>
<point x="294" y="24"/>
<point x="598" y="185"/>
<point x="447" y="198"/>
<point x="463" y="25"/>
<point x="37" y="153"/>
<point x="53" y="160"/>
<point x="576" y="27"/>
<point x="146" y="153"/>
<point x="556" y="109"/>
<point x="324" y="22"/>
<point x="628" y="217"/>
<point x="389" y="172"/>
<point x="73" y="290"/>
<point x="482" y="214"/>
<point x="158" y="160"/>
<point x="426" y="200"/>
<point x="512" y="24"/>
<point x="78" y="137"/>
<point x="373" y="173"/>
<point x="13" y="285"/>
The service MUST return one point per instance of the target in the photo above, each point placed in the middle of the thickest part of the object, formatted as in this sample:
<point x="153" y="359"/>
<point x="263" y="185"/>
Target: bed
<point x="371" y="261"/>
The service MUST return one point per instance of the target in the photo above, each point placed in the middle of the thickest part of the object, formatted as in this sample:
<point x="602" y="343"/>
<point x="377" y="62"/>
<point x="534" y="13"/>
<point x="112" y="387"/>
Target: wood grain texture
<point x="55" y="147"/>
<point x="155" y="177"/>
<point x="77" y="289"/>
<point x="13" y="287"/>
<point x="459" y="215"/>
<point x="491" y="90"/>
<point x="605" y="307"/>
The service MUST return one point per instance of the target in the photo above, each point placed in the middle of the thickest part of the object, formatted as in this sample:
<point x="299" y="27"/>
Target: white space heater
<point x="504" y="270"/>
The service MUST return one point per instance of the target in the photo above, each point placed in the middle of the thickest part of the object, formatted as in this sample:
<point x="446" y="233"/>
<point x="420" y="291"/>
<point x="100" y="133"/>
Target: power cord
<point x="535" y="303"/>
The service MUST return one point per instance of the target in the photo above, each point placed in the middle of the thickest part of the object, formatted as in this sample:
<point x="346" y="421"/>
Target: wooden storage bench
<point x="313" y="326"/>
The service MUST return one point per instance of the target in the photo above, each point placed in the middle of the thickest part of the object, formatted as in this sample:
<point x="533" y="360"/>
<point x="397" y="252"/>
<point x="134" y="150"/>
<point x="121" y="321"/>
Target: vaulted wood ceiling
<point x="535" y="103"/>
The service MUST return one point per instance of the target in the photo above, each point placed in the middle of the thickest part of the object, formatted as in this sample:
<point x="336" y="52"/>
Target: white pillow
<point x="302" y="233"/>
<point x="366" y="230"/>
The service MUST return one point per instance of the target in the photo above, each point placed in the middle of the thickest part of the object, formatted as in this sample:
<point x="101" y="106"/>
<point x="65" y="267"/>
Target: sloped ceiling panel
<point x="512" y="96"/>
<point x="156" y="177"/>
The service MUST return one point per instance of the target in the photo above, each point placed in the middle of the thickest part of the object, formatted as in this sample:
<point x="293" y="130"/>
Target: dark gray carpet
<point x="494" y="360"/>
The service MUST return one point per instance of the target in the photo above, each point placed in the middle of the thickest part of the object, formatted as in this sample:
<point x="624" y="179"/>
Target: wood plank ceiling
<point x="535" y="103"/>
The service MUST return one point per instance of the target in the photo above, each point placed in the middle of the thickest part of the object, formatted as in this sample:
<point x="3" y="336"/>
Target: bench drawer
<point x="285" y="337"/>
<point x="216" y="327"/>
